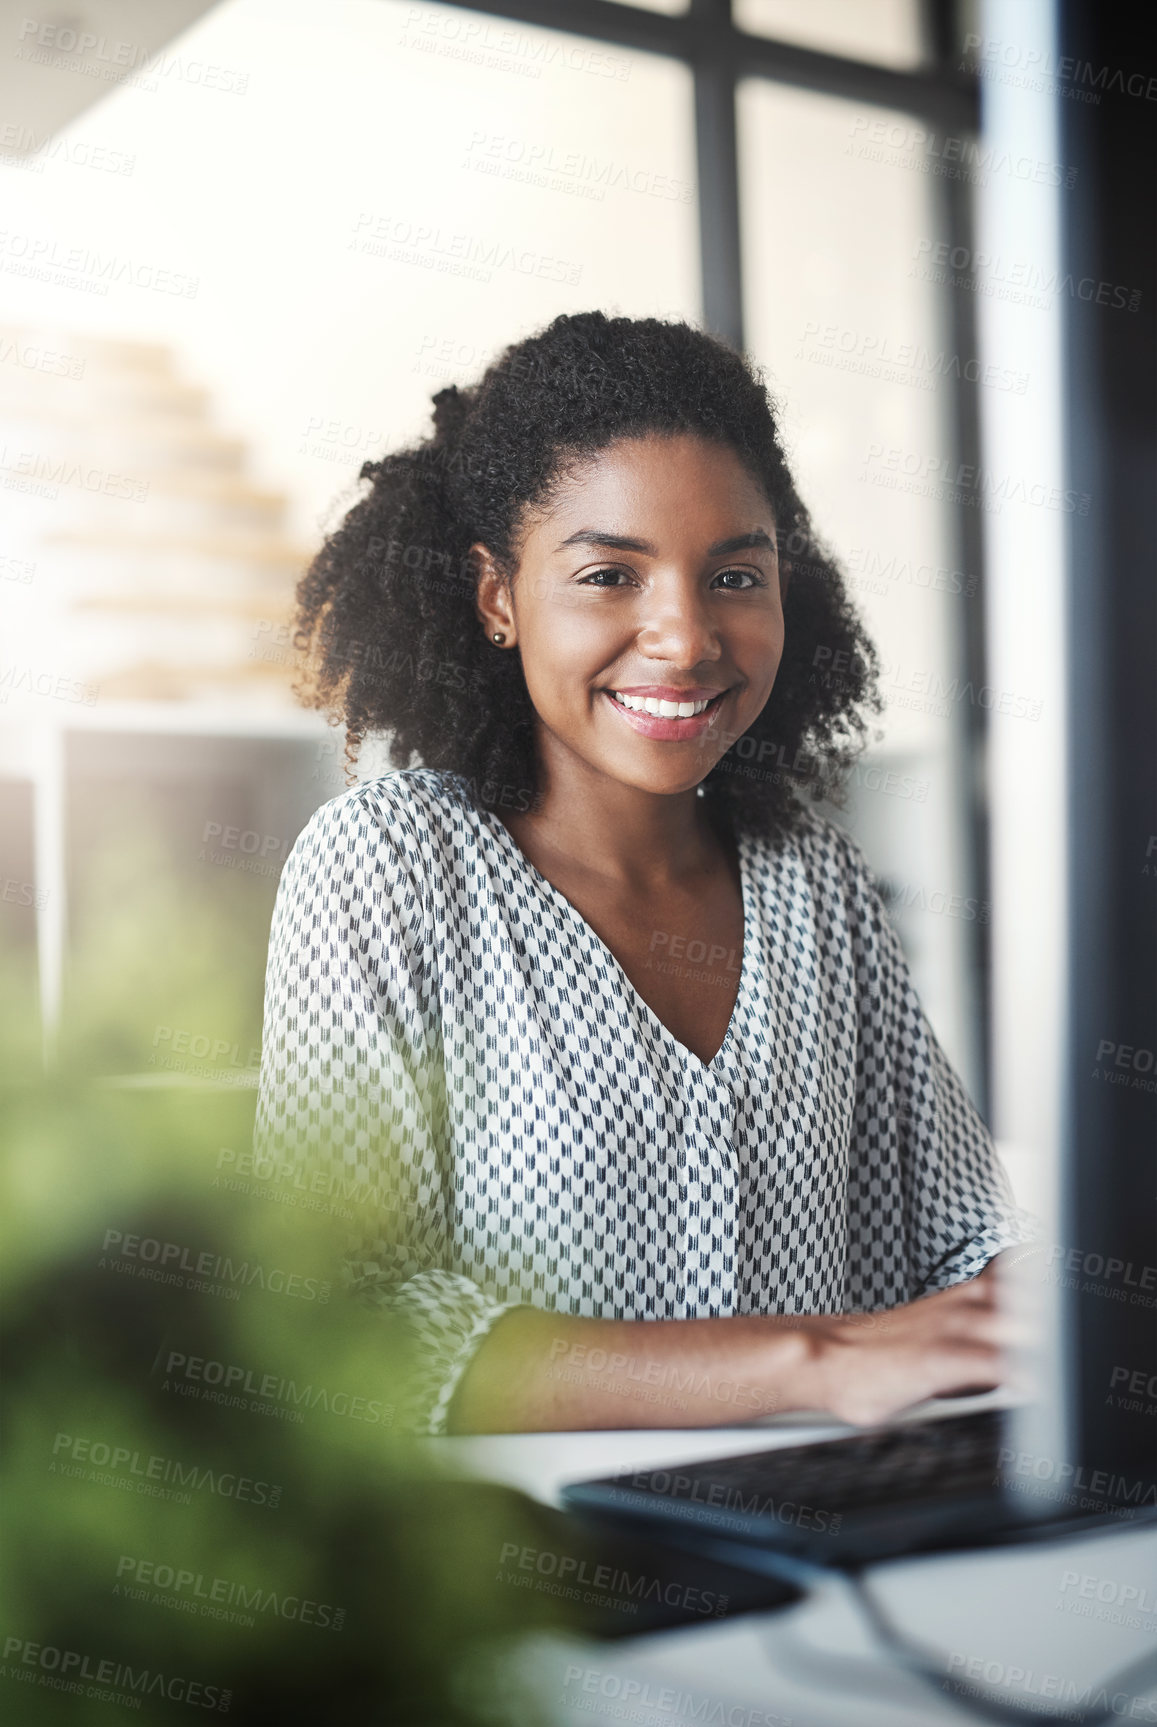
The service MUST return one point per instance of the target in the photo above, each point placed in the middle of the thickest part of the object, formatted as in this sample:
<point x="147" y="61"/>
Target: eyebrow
<point x="623" y="543"/>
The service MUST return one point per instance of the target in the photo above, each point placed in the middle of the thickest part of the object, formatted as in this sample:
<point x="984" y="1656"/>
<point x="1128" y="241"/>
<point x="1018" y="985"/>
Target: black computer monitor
<point x="1108" y="1175"/>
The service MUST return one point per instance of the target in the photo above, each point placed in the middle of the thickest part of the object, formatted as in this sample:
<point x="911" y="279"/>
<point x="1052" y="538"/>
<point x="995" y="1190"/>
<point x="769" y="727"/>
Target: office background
<point x="242" y="245"/>
<point x="245" y="245"/>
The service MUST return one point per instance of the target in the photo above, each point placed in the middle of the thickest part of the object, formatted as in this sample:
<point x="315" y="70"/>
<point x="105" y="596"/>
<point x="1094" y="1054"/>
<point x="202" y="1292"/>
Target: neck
<point x="637" y="840"/>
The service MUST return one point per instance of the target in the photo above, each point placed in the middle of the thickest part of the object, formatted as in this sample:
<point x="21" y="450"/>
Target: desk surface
<point x="1042" y="1626"/>
<point x="541" y="1463"/>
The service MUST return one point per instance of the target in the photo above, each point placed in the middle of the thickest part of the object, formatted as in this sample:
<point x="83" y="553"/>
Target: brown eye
<point x="593" y="578"/>
<point x="750" y="580"/>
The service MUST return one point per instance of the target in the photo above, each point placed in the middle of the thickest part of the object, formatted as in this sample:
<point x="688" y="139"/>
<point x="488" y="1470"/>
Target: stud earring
<point x="498" y="637"/>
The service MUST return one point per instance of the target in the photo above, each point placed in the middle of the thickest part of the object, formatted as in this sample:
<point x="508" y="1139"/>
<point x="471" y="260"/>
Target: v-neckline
<point x="547" y="887"/>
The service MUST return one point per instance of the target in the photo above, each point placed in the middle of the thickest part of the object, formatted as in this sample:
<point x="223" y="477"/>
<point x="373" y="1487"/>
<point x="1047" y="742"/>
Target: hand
<point x="869" y="1365"/>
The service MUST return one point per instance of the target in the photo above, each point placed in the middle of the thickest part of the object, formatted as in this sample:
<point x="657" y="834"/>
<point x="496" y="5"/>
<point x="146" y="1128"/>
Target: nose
<point x="678" y="625"/>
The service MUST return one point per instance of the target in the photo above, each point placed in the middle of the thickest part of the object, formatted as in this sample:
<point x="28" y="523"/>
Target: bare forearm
<point x="543" y="1372"/>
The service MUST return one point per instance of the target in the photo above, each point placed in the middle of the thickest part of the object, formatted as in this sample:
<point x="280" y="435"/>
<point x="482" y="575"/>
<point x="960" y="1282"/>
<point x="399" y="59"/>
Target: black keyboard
<point x="925" y="1485"/>
<point x="924" y="1459"/>
<point x="802" y="1496"/>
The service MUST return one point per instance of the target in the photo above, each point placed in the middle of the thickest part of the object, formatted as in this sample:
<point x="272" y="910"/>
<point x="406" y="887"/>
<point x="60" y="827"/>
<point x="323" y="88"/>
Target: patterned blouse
<point x="444" y="1027"/>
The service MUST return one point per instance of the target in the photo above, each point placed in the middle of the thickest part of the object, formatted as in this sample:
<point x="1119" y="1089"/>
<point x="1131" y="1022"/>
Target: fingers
<point x="995" y="1327"/>
<point x="995" y="1310"/>
<point x="955" y="1341"/>
<point x="872" y="1378"/>
<point x="972" y="1369"/>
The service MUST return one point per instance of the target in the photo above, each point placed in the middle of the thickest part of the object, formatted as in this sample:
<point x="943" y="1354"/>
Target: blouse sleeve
<point x="917" y="1131"/>
<point x="351" y="1078"/>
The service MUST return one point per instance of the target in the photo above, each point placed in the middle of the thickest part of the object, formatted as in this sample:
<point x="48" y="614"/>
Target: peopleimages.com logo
<point x="154" y="1474"/>
<point x="112" y="1681"/>
<point x="234" y="1386"/>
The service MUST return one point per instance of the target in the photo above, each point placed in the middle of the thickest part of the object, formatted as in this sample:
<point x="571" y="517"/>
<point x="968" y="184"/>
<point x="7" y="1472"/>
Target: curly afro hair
<point x="386" y="612"/>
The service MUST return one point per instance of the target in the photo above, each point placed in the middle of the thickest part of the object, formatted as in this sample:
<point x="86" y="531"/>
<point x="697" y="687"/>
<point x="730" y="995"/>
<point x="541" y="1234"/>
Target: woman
<point x="607" y="1029"/>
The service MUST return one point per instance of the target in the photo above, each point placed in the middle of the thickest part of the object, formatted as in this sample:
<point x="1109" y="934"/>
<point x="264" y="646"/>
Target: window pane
<point x="883" y="30"/>
<point x="840" y="314"/>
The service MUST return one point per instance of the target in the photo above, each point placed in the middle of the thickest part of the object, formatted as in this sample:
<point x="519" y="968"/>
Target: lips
<point x="669" y="692"/>
<point x="668" y="728"/>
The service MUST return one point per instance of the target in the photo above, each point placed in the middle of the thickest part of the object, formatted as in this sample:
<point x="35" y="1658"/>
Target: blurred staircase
<point x="161" y="572"/>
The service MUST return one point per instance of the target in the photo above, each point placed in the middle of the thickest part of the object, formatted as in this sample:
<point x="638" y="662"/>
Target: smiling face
<point x="647" y="608"/>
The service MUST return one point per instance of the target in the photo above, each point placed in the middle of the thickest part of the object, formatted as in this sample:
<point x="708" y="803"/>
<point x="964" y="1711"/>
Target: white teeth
<point x="667" y="710"/>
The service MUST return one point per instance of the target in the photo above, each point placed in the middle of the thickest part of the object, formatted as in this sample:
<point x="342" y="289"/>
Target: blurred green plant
<point x="210" y="1504"/>
<point x="161" y="943"/>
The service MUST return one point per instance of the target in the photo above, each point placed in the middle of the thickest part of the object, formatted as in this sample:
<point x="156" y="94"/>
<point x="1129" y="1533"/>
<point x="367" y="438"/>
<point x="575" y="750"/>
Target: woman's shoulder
<point x="417" y="798"/>
<point x="814" y="875"/>
<point x="409" y="815"/>
<point x="816" y="849"/>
